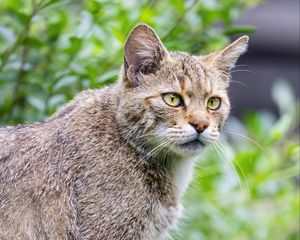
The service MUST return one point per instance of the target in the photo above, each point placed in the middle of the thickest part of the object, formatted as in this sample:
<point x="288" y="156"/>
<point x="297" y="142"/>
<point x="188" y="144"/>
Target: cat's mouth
<point x="193" y="145"/>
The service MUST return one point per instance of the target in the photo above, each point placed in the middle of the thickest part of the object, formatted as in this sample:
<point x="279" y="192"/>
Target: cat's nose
<point x="200" y="126"/>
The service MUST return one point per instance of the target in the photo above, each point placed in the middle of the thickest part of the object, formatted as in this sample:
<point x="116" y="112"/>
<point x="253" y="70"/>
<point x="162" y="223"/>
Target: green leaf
<point x="75" y="45"/>
<point x="56" y="101"/>
<point x="66" y="82"/>
<point x="233" y="30"/>
<point x="37" y="102"/>
<point x="283" y="96"/>
<point x="281" y="128"/>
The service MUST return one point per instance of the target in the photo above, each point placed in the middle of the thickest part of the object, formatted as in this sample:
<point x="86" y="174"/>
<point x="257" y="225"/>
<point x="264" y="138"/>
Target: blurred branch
<point x="6" y="54"/>
<point x="148" y="4"/>
<point x="21" y="73"/>
<point x="21" y="36"/>
<point x="180" y="19"/>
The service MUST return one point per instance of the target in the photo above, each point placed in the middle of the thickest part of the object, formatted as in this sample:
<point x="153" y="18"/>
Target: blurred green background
<point x="245" y="187"/>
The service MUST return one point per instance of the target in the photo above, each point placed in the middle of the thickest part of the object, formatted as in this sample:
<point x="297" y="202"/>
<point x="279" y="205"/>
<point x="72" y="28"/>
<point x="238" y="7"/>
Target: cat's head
<point x="173" y="102"/>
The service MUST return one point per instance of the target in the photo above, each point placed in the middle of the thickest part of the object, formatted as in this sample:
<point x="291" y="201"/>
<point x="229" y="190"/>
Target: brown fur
<point x="96" y="170"/>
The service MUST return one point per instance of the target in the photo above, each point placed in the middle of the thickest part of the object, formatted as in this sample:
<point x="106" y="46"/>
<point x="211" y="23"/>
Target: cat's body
<point x="79" y="159"/>
<point x="98" y="168"/>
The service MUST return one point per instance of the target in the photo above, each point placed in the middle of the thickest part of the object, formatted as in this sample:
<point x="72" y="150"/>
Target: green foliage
<point x="52" y="49"/>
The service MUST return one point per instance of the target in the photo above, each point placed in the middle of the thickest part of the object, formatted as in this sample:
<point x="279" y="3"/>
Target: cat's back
<point x="38" y="162"/>
<point x="41" y="144"/>
<point x="79" y="107"/>
<point x="15" y="140"/>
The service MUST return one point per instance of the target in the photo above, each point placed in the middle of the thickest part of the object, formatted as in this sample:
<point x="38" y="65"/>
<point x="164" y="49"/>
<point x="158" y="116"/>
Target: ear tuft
<point x="143" y="52"/>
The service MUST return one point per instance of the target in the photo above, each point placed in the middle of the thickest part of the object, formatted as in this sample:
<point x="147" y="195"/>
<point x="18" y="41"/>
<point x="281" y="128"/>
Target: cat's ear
<point x="143" y="53"/>
<point x="226" y="58"/>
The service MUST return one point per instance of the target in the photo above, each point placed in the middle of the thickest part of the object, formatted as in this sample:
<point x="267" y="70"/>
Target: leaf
<point x="179" y="5"/>
<point x="50" y="3"/>
<point x="57" y="101"/>
<point x="54" y="29"/>
<point x="7" y="34"/>
<point x="294" y="149"/>
<point x="36" y="102"/>
<point x="65" y="82"/>
<point x="280" y="129"/>
<point x="35" y="42"/>
<point x="283" y="96"/>
<point x="75" y="45"/>
<point x="239" y="30"/>
<point x="119" y="34"/>
<point x="22" y="17"/>
<point x="107" y="77"/>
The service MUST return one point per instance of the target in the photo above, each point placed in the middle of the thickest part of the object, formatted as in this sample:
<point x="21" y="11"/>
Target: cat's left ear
<point x="143" y="53"/>
<point x="226" y="58"/>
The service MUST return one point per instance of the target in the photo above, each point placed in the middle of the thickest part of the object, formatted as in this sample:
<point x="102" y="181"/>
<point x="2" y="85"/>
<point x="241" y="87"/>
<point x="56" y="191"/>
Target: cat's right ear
<point x="142" y="54"/>
<point x="225" y="59"/>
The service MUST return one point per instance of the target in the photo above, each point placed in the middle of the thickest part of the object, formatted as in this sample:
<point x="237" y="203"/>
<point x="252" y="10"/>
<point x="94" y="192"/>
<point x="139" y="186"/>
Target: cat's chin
<point x="191" y="147"/>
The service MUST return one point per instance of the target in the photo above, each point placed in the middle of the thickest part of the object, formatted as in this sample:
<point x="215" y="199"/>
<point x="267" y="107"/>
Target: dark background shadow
<point x="273" y="54"/>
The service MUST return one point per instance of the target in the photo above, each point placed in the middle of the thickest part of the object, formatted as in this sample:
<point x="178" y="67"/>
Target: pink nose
<point x="200" y="126"/>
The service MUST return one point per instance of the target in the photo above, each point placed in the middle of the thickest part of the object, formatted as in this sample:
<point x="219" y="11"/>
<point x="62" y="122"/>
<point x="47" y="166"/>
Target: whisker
<point x="242" y="65"/>
<point x="147" y="135"/>
<point x="228" y="172"/>
<point x="157" y="149"/>
<point x="249" y="139"/>
<point x="231" y="166"/>
<point x="239" y="166"/>
<point x="164" y="159"/>
<point x="243" y="70"/>
<point x="237" y="177"/>
<point x="232" y="81"/>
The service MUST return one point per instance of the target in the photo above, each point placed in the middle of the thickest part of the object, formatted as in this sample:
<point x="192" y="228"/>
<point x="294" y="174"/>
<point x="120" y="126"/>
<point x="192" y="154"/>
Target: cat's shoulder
<point x="83" y="101"/>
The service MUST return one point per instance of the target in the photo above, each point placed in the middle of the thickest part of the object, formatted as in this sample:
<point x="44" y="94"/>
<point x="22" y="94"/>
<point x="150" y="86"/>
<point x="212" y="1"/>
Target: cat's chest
<point x="166" y="218"/>
<point x="182" y="174"/>
<point x="167" y="215"/>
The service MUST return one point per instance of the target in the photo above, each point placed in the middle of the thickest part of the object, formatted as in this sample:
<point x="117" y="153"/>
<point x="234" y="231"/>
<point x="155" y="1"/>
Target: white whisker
<point x="232" y="81"/>
<point x="228" y="172"/>
<point x="239" y="166"/>
<point x="230" y="164"/>
<point x="243" y="70"/>
<point x="251" y="140"/>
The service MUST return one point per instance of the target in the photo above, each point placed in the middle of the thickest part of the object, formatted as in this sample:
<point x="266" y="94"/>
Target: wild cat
<point x="115" y="162"/>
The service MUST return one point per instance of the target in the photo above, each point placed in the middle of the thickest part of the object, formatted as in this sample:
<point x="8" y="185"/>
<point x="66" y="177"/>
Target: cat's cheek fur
<point x="209" y="136"/>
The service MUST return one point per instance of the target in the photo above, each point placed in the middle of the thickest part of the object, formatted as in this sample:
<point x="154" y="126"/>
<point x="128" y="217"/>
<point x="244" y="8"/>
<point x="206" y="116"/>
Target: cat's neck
<point x="178" y="168"/>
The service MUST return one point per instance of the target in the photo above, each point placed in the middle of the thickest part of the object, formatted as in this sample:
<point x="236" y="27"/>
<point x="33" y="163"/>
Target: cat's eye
<point x="214" y="103"/>
<point x="172" y="99"/>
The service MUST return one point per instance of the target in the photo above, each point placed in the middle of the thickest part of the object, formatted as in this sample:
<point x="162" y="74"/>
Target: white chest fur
<point x="167" y="217"/>
<point x="183" y="174"/>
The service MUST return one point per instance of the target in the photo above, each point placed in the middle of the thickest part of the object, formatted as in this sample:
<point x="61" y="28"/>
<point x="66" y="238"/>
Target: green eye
<point x="214" y="103"/>
<point x="172" y="99"/>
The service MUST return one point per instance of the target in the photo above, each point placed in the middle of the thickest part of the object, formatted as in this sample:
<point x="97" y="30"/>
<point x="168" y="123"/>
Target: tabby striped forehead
<point x="192" y="78"/>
